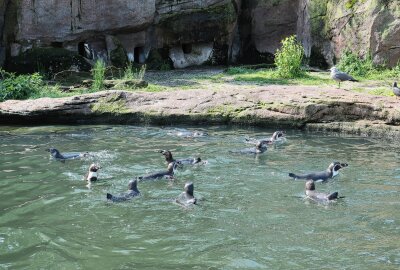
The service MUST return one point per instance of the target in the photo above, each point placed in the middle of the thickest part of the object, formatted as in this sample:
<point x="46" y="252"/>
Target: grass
<point x="270" y="76"/>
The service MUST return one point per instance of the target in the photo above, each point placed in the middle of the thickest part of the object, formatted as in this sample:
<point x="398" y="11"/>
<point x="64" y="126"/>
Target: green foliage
<point x="98" y="72"/>
<point x="354" y="65"/>
<point x="289" y="57"/>
<point x="134" y="74"/>
<point x="19" y="87"/>
<point x="350" y="3"/>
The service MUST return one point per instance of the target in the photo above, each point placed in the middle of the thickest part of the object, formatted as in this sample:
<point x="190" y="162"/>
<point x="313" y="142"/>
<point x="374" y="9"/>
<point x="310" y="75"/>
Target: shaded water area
<point x="251" y="215"/>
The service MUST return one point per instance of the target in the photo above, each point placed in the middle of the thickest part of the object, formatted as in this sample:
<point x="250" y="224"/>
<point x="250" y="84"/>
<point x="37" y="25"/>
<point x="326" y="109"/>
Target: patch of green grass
<point x="270" y="76"/>
<point x="379" y="91"/>
<point x="155" y="88"/>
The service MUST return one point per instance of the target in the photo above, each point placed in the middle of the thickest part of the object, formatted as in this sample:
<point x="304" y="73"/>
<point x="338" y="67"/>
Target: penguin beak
<point x="344" y="165"/>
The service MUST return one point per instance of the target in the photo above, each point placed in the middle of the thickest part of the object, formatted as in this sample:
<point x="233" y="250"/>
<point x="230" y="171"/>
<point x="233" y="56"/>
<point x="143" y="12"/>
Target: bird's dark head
<point x="54" y="152"/>
<point x="335" y="166"/>
<point x="132" y="184"/>
<point x="167" y="154"/>
<point x="278" y="135"/>
<point x="94" y="167"/>
<point x="395" y="84"/>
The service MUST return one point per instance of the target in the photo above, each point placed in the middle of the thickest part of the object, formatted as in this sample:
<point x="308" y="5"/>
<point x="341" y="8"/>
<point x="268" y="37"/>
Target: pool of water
<point x="250" y="215"/>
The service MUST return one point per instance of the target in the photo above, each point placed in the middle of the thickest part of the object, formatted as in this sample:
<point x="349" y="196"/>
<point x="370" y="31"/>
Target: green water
<point x="250" y="214"/>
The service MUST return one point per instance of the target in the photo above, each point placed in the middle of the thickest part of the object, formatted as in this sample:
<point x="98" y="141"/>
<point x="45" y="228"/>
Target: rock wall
<point x="247" y="31"/>
<point x="364" y="27"/>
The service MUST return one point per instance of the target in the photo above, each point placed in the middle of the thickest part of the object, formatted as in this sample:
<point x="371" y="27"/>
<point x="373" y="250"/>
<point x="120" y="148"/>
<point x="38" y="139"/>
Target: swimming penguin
<point x="185" y="161"/>
<point x="91" y="175"/>
<point x="168" y="174"/>
<point x="331" y="172"/>
<point x="132" y="192"/>
<point x="317" y="196"/>
<point x="64" y="156"/>
<point x="187" y="198"/>
<point x="188" y="134"/>
<point x="277" y="137"/>
<point x="260" y="147"/>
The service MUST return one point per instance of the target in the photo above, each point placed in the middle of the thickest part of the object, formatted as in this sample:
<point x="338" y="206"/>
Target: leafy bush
<point x="98" y="72"/>
<point x="353" y="64"/>
<point x="19" y="86"/>
<point x="289" y="57"/>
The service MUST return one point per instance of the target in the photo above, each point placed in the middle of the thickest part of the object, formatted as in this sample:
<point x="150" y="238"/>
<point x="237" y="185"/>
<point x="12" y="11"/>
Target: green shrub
<point x="289" y="57"/>
<point x="134" y="74"/>
<point x="19" y="87"/>
<point x="98" y="72"/>
<point x="353" y="64"/>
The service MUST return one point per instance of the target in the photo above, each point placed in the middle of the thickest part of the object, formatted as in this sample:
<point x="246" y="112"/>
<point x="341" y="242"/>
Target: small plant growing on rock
<point x="289" y="57"/>
<point x="98" y="72"/>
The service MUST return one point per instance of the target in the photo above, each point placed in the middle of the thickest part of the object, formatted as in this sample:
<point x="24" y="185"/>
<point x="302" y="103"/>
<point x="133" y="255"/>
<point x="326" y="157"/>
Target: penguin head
<point x="278" y="135"/>
<point x="167" y="154"/>
<point x="94" y="167"/>
<point x="54" y="152"/>
<point x="335" y="166"/>
<point x="133" y="185"/>
<point x="189" y="188"/>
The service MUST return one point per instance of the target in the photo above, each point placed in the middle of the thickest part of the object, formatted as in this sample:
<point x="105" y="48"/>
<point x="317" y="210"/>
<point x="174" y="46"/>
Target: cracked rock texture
<point x="272" y="106"/>
<point x="238" y="30"/>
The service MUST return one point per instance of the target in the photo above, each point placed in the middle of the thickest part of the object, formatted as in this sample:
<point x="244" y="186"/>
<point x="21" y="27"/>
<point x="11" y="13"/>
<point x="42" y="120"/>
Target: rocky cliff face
<point x="193" y="32"/>
<point x="364" y="27"/>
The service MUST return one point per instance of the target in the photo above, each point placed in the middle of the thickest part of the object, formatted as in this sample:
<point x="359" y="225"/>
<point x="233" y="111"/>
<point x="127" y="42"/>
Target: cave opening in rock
<point x="138" y="55"/>
<point x="81" y="49"/>
<point x="56" y="44"/>
<point x="187" y="48"/>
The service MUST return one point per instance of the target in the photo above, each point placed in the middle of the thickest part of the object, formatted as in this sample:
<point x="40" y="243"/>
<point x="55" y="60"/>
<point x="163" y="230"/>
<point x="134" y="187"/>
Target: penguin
<point x="276" y="138"/>
<point x="132" y="192"/>
<point x="318" y="196"/>
<point x="168" y="174"/>
<point x="65" y="156"/>
<point x="260" y="147"/>
<point x="91" y="175"/>
<point x="330" y="172"/>
<point x="187" y="198"/>
<point x="183" y="133"/>
<point x="185" y="161"/>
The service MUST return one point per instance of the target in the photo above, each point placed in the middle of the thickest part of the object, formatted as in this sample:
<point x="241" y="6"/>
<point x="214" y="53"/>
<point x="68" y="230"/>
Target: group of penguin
<point x="186" y="198"/>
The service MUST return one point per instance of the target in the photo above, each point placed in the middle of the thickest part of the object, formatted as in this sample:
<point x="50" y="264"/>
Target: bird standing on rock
<point x="396" y="90"/>
<point x="340" y="76"/>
